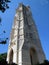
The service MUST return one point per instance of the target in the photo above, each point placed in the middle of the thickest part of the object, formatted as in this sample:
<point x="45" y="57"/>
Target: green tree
<point x="3" y="56"/>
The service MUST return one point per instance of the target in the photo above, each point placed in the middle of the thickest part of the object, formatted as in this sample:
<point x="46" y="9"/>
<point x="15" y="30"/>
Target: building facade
<point x="24" y="45"/>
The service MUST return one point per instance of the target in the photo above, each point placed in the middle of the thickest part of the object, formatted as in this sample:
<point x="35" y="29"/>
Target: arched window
<point x="33" y="56"/>
<point x="11" y="56"/>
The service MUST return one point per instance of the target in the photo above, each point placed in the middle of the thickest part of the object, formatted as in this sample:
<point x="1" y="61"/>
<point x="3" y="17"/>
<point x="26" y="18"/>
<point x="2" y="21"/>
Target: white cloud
<point x="44" y="2"/>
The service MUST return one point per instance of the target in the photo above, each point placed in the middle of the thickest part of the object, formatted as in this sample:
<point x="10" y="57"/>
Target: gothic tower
<point x="24" y="45"/>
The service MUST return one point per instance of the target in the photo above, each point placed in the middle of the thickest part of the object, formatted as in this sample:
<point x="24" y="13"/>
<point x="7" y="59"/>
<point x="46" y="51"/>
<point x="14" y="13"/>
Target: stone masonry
<point x="24" y="45"/>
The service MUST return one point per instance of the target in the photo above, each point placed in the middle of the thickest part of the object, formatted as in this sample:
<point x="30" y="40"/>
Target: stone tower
<point x="24" y="45"/>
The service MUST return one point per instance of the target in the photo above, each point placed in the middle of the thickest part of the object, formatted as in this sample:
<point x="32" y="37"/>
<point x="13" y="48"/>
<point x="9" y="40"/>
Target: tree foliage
<point x="3" y="41"/>
<point x="3" y="60"/>
<point x="4" y="5"/>
<point x="3" y="56"/>
<point x="46" y="62"/>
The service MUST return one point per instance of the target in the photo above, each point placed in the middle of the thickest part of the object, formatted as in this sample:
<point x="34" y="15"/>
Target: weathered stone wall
<point x="24" y="39"/>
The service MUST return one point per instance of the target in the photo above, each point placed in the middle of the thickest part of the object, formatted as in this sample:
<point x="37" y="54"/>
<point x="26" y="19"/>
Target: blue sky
<point x="40" y="13"/>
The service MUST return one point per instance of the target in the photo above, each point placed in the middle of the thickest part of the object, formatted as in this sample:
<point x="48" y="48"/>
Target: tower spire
<point x="25" y="46"/>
